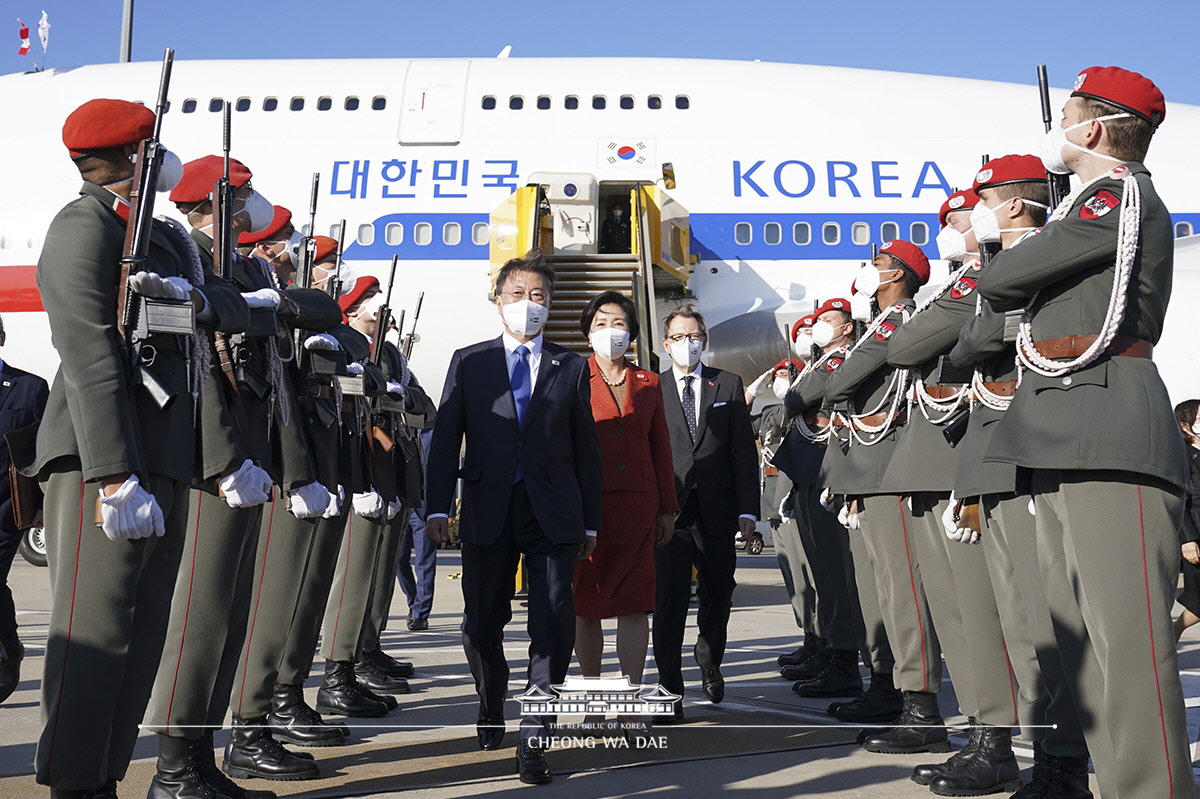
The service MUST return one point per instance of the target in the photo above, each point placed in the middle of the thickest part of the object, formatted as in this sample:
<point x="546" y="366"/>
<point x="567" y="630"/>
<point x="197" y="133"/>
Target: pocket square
<point x="719" y="404"/>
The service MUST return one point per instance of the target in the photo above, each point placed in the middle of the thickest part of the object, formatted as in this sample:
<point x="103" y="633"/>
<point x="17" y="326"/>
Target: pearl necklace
<point x="620" y="382"/>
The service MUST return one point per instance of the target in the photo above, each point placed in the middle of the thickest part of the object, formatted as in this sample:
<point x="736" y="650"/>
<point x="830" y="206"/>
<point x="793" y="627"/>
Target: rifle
<point x="223" y="201"/>
<point x="1060" y="185"/>
<point x="308" y="255"/>
<point x="383" y="403"/>
<point x="333" y="284"/>
<point x="407" y="342"/>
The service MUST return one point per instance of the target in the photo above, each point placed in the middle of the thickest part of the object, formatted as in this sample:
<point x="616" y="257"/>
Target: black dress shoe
<point x="10" y="676"/>
<point x="918" y="729"/>
<point x="374" y="679"/>
<point x="673" y="718"/>
<point x="531" y="765"/>
<point x="224" y="787"/>
<point x="341" y="696"/>
<point x="490" y="731"/>
<point x="252" y="752"/>
<point x="992" y="768"/>
<point x="714" y="686"/>
<point x="418" y="623"/>
<point x="293" y="721"/>
<point x="106" y="791"/>
<point x="388" y="664"/>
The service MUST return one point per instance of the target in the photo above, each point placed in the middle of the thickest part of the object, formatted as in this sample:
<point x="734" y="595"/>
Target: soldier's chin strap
<point x="1128" y="234"/>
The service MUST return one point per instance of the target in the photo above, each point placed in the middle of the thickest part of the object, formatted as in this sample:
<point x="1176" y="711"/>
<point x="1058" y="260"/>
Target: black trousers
<point x="10" y="644"/>
<point x="488" y="586"/>
<point x="715" y="558"/>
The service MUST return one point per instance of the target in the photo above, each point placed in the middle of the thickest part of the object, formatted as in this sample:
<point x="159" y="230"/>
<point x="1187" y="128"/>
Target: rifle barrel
<point x="1044" y="96"/>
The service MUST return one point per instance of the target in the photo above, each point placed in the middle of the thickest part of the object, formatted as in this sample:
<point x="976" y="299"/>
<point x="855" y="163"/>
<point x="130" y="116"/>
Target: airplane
<point x="781" y="178"/>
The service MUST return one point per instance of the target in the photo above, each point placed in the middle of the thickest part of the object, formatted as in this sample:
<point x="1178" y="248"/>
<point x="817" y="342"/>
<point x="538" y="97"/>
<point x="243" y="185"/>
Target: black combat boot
<point x="106" y="791"/>
<point x="387" y="700"/>
<point x="252" y="752"/>
<point x="810" y="668"/>
<point x="1056" y="777"/>
<point x="840" y="677"/>
<point x="991" y="769"/>
<point x="375" y="679"/>
<point x="388" y="664"/>
<point x="919" y="729"/>
<point x="806" y="650"/>
<point x="341" y="696"/>
<point x="178" y="774"/>
<point x="55" y="793"/>
<point x="224" y="787"/>
<point x="927" y="772"/>
<point x="293" y="721"/>
<point x="879" y="703"/>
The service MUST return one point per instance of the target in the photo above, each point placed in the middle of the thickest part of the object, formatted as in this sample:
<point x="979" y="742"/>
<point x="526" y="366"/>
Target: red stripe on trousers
<point x="916" y="601"/>
<point x="70" y="621"/>
<point x="1154" y="655"/>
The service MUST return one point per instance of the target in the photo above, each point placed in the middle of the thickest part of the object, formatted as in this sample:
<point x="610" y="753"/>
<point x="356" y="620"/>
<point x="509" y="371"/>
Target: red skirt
<point x="618" y="579"/>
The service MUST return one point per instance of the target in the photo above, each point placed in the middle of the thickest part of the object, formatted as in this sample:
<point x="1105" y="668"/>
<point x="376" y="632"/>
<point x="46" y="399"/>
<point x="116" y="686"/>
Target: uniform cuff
<point x="437" y="516"/>
<point x="592" y="533"/>
<point x="749" y="516"/>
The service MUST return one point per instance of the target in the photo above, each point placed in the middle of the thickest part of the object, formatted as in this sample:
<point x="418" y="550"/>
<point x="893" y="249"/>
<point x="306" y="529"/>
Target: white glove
<point x="334" y="507"/>
<point x="954" y="529"/>
<point x="1032" y="507"/>
<point x="247" y="487"/>
<point x="152" y="284"/>
<point x="308" y="502"/>
<point x="395" y="388"/>
<point x="262" y="298"/>
<point x="355" y="368"/>
<point x="131" y="512"/>
<point x="786" y="507"/>
<point x="369" y="504"/>
<point x="847" y="519"/>
<point x="827" y="499"/>
<point x="322" y="341"/>
<point x="761" y="383"/>
<point x="908" y="500"/>
<point x="393" y="508"/>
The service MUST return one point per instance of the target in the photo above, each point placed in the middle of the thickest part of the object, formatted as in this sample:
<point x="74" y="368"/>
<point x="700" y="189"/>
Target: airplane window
<point x="423" y="233"/>
<point x="243" y="104"/>
<point x="831" y="233"/>
<point x="918" y="233"/>
<point x="627" y="101"/>
<point x="516" y="102"/>
<point x="393" y="234"/>
<point x="366" y="235"/>
<point x="742" y="233"/>
<point x="189" y="106"/>
<point x="216" y="104"/>
<point x="335" y="231"/>
<point x="324" y="103"/>
<point x="489" y="103"/>
<point x="801" y="233"/>
<point x="860" y="233"/>
<point x="379" y="103"/>
<point x="543" y="103"/>
<point x="305" y="230"/>
<point x="351" y="104"/>
<point x="599" y="102"/>
<point x="772" y="233"/>
<point x="654" y="102"/>
<point x="479" y="233"/>
<point x="1183" y="229"/>
<point x="889" y="231"/>
<point x="682" y="102"/>
<point x="451" y="233"/>
<point x="270" y="103"/>
<point x="570" y="102"/>
<point x="297" y="104"/>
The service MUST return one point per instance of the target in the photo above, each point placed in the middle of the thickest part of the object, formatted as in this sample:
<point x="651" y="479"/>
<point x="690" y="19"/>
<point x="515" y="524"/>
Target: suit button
<point x="520" y="444"/>
<point x="620" y="431"/>
<point x="620" y="467"/>
<point x="1067" y="381"/>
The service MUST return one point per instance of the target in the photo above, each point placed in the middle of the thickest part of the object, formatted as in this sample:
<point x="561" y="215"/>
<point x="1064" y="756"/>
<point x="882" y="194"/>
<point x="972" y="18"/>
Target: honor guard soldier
<point x="116" y="497"/>
<point x="833" y="668"/>
<point x="923" y="468"/>
<point x="991" y="505"/>
<point x="1092" y="423"/>
<point x="871" y="398"/>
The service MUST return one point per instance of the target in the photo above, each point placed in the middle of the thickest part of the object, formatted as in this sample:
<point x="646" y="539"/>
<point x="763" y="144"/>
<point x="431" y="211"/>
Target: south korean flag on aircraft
<point x="627" y="152"/>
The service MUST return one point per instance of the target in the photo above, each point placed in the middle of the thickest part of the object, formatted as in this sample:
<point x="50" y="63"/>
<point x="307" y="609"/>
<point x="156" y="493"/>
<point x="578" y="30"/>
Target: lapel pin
<point x="554" y="362"/>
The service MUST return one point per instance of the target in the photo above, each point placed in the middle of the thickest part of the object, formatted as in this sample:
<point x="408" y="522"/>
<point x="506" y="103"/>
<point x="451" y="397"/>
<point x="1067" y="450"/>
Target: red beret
<point x="910" y="255"/>
<point x="104" y="124"/>
<point x="361" y="286"/>
<point x="1010" y="169"/>
<point x="784" y="364"/>
<point x="325" y="247"/>
<point x="805" y="321"/>
<point x="200" y="175"/>
<point x="1126" y="90"/>
<point x="835" y="304"/>
<point x="278" y="221"/>
<point x="963" y="200"/>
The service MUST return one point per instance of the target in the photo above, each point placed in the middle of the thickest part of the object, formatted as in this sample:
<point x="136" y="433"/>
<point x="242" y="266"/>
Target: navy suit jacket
<point x="22" y="402"/>
<point x="556" y="447"/>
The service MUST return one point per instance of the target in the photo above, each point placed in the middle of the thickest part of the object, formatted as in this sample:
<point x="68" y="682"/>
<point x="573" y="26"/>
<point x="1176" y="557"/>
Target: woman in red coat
<point x="639" y="492"/>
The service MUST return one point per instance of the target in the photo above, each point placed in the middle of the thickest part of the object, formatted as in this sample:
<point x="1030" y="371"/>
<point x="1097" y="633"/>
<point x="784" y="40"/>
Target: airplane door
<point x="518" y="225"/>
<point x="435" y="93"/>
<point x="661" y="239"/>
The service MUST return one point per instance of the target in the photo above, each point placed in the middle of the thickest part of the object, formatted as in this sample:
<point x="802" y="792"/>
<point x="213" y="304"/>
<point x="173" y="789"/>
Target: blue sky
<point x="991" y="41"/>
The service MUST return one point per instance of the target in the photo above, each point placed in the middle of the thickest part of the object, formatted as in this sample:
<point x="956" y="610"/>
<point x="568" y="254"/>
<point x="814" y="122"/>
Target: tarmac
<point x="762" y="741"/>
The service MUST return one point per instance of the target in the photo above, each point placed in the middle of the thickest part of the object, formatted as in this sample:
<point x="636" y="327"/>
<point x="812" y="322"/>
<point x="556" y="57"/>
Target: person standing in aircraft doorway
<point x="615" y="233"/>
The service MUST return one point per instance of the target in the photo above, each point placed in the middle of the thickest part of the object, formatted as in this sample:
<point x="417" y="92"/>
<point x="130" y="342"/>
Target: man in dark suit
<point x="531" y="486"/>
<point x="22" y="402"/>
<point x="716" y="479"/>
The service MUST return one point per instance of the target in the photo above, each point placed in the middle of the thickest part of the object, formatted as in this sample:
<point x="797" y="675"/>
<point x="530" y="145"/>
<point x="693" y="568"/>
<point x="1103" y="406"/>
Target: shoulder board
<point x="976" y="265"/>
<point x="898" y="307"/>
<point x="1098" y="204"/>
<point x="1119" y="171"/>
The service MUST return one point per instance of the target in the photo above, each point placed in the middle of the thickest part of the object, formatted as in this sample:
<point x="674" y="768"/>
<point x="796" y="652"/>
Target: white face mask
<point x="260" y="210"/>
<point x="803" y="344"/>
<point x="524" y="317"/>
<point x="618" y="213"/>
<point x="170" y="173"/>
<point x="986" y="224"/>
<point x="823" y="333"/>
<point x="779" y="387"/>
<point x="1056" y="139"/>
<point x="686" y="353"/>
<point x="868" y="280"/>
<point x="370" y="308"/>
<point x="952" y="244"/>
<point x="860" y="307"/>
<point x="609" y="343"/>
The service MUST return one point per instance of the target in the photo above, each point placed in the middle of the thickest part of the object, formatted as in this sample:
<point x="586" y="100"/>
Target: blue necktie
<point x="689" y="405"/>
<point x="521" y="391"/>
